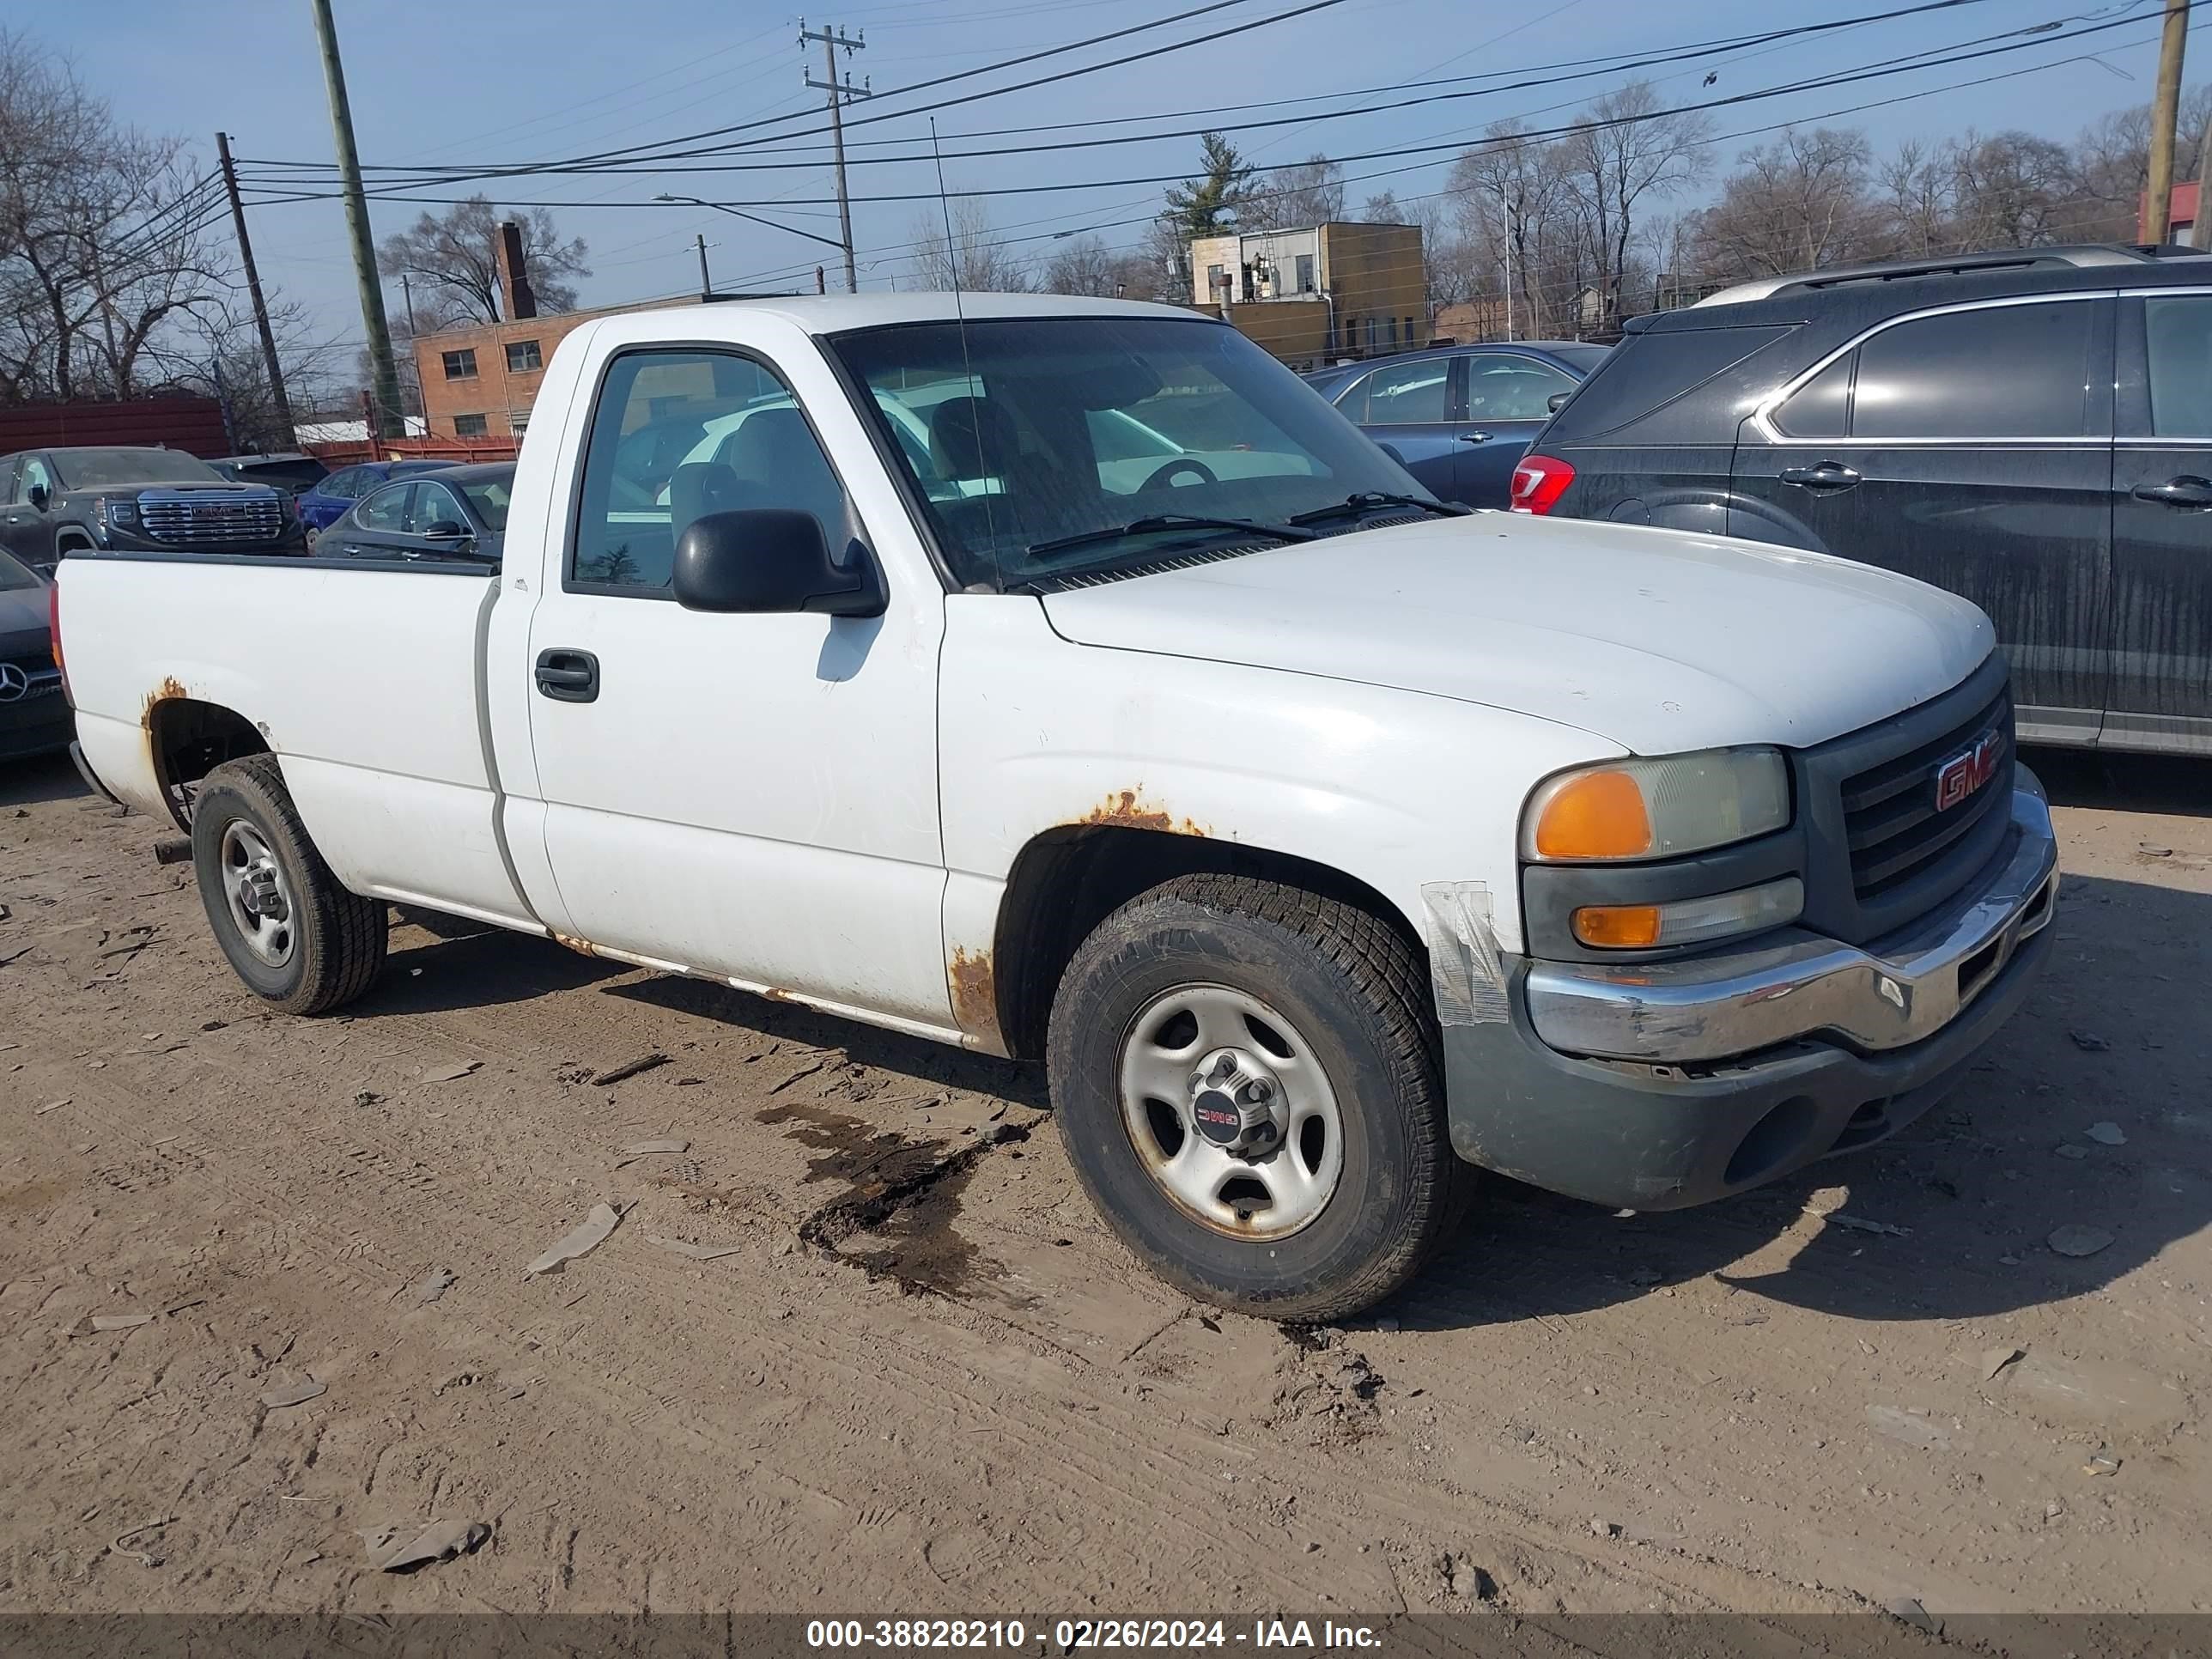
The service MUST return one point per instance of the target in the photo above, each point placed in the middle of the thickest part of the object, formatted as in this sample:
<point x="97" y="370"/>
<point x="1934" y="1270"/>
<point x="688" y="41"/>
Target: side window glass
<point x="1506" y="387"/>
<point x="36" y="476"/>
<point x="2178" y="336"/>
<point x="8" y="470"/>
<point x="347" y="485"/>
<point x="385" y="510"/>
<point x="2020" y="371"/>
<point x="1406" y="393"/>
<point x="433" y="504"/>
<point x="1821" y="408"/>
<point x="676" y="435"/>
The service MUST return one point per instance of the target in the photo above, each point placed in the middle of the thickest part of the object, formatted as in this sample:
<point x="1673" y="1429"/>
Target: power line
<point x="1876" y="70"/>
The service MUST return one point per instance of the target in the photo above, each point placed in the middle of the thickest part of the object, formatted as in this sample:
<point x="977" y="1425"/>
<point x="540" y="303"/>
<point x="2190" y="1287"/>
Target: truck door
<point x="2162" y="526"/>
<point x="749" y="796"/>
<point x="1969" y="447"/>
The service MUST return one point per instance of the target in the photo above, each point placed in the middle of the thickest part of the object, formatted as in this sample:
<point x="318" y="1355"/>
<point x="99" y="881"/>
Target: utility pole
<point x="383" y="371"/>
<point x="2165" y="116"/>
<point x="706" y="282"/>
<point x="277" y="396"/>
<point x="407" y="294"/>
<point x="2201" y="235"/>
<point x="839" y="90"/>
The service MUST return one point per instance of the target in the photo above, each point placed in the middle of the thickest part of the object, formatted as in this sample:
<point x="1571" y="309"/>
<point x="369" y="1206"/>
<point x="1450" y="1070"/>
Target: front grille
<point x="31" y="679"/>
<point x="190" y="520"/>
<point x="1891" y="822"/>
<point x="1878" y="852"/>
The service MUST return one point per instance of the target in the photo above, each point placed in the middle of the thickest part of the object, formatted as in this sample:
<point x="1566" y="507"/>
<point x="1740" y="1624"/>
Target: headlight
<point x="1654" y="809"/>
<point x="112" y="510"/>
<point x="1690" y="921"/>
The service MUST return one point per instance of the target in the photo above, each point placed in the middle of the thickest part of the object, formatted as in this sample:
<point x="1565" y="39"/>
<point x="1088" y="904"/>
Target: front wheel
<point x="297" y="937"/>
<point x="1247" y="1082"/>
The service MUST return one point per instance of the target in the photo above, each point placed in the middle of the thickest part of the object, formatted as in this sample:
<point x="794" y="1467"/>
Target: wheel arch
<point x="1067" y="879"/>
<point x="188" y="738"/>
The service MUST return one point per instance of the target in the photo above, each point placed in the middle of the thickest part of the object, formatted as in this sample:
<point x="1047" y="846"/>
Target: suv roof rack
<point x="1958" y="264"/>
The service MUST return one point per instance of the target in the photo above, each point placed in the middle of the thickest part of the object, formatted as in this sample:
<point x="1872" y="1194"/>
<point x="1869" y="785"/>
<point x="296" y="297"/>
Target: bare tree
<point x="452" y="261"/>
<point x="1083" y="265"/>
<point x="2011" y="190"/>
<point x="2111" y="165"/>
<point x="1916" y="202"/>
<point x="104" y="236"/>
<point x="1792" y="205"/>
<point x="1632" y="149"/>
<point x="1513" y="206"/>
<point x="1293" y="198"/>
<point x="976" y="258"/>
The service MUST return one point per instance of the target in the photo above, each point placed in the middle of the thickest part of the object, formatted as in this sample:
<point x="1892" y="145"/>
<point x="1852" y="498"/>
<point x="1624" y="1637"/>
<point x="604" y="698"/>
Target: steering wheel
<point x="1181" y="463"/>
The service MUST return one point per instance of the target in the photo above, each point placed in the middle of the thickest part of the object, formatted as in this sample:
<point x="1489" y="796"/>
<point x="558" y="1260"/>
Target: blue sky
<point x="448" y="83"/>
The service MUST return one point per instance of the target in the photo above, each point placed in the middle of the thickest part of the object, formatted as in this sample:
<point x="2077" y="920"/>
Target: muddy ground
<point x="924" y="1379"/>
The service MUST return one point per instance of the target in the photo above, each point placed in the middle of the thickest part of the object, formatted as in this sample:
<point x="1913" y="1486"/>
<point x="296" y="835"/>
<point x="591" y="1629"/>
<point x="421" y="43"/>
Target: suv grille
<point x="195" y="519"/>
<point x="1891" y="822"/>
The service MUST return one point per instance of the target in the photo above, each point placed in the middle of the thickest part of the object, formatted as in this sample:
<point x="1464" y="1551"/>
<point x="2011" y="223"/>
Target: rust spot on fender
<point x="166" y="691"/>
<point x="1127" y="809"/>
<point x="582" y="947"/>
<point x="975" y="997"/>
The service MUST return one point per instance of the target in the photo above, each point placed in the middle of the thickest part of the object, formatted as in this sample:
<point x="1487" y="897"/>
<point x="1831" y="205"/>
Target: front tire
<point x="297" y="938"/>
<point x="1247" y="1080"/>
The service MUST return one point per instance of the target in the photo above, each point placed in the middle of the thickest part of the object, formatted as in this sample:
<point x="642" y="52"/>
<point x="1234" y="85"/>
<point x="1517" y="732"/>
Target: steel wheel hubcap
<point x="1229" y="1112"/>
<point x="254" y="887"/>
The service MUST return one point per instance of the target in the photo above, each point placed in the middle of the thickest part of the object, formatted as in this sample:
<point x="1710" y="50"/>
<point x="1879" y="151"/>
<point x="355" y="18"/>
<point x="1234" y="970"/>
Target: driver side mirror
<point x="773" y="560"/>
<point x="38" y="497"/>
<point x="446" y="531"/>
<point x="1553" y="402"/>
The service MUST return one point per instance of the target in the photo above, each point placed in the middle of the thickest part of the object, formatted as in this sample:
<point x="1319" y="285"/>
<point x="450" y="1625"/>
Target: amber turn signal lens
<point x="1618" y="927"/>
<point x="1599" y="815"/>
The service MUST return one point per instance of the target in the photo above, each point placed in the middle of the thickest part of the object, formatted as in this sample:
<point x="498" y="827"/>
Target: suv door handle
<point x="1474" y="437"/>
<point x="567" y="676"/>
<point x="1828" y="475"/>
<point x="2187" y="490"/>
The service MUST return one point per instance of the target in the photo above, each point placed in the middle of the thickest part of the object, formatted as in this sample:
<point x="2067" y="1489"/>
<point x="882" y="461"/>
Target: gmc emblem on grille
<point x="1962" y="774"/>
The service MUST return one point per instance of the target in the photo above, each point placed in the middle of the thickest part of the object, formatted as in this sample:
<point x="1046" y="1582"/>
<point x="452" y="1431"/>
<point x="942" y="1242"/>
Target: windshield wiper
<point x="1157" y="521"/>
<point x="1364" y="500"/>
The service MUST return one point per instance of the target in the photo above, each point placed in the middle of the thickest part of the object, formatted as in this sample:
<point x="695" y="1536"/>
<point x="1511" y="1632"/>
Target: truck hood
<point x="1659" y="640"/>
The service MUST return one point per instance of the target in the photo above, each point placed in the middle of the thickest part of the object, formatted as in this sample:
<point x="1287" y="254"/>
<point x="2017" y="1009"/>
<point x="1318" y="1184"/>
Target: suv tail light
<point x="54" y="633"/>
<point x="1539" y="481"/>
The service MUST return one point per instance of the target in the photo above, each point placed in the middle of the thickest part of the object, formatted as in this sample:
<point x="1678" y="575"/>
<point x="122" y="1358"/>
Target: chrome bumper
<point x="1907" y="988"/>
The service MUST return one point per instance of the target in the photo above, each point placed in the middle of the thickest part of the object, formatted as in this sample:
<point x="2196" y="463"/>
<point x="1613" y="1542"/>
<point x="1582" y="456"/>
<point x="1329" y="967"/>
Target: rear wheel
<point x="297" y="937"/>
<point x="1247" y="1081"/>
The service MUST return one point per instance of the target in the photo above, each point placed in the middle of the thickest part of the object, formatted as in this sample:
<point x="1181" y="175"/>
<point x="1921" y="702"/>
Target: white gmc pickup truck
<point x="1065" y="679"/>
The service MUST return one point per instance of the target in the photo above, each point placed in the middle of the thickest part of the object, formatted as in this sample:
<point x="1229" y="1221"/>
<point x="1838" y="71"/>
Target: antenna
<point x="960" y="322"/>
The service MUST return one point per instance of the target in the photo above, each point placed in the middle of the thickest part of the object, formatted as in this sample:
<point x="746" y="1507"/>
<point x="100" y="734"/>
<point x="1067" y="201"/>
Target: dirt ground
<point x="925" y="1380"/>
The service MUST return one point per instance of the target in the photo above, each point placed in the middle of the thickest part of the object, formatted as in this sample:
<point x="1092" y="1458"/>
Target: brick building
<point x="1320" y="293"/>
<point x="479" y="380"/>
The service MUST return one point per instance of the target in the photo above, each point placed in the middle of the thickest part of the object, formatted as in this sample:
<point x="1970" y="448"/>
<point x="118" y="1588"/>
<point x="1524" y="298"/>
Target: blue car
<point x="320" y="507"/>
<point x="1459" y="417"/>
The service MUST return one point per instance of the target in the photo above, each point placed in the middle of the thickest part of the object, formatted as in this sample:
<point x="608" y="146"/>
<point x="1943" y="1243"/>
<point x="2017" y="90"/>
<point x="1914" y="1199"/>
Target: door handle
<point x="1474" y="437"/>
<point x="567" y="676"/>
<point x="2187" y="490"/>
<point x="1828" y="475"/>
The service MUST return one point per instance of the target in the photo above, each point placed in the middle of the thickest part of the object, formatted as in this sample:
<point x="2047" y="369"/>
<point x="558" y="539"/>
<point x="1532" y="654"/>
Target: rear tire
<point x="1322" y="1006"/>
<point x="297" y="938"/>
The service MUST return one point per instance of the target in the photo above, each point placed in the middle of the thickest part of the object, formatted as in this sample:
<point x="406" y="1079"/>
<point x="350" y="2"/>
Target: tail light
<point x="54" y="633"/>
<point x="1539" y="481"/>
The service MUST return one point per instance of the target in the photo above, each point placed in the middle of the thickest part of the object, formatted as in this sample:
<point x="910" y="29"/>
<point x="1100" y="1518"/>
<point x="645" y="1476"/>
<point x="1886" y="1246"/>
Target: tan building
<point x="1318" y="294"/>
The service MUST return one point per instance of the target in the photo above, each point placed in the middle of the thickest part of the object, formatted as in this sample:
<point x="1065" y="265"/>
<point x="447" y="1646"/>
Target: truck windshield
<point x="1050" y="447"/>
<point x="108" y="469"/>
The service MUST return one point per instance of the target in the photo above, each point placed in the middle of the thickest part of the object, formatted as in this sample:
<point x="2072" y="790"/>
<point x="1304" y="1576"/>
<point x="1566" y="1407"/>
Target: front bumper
<point x="1673" y="1083"/>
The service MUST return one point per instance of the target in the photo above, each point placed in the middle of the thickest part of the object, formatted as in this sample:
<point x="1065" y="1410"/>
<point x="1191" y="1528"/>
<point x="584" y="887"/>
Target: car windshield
<point x="106" y="468"/>
<point x="489" y="497"/>
<point x="1114" y="433"/>
<point x="15" y="574"/>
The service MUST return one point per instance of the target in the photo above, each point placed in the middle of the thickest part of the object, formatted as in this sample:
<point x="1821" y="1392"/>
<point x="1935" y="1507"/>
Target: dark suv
<point x="2030" y="429"/>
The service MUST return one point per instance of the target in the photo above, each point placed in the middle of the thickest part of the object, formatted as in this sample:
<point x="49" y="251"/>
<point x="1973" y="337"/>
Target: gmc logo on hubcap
<point x="1962" y="774"/>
